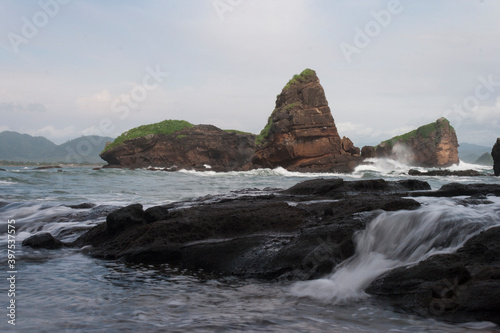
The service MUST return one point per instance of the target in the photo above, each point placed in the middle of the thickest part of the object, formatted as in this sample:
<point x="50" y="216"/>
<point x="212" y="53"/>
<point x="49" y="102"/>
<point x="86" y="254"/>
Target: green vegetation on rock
<point x="289" y="107"/>
<point x="424" y="131"/>
<point x="306" y="74"/>
<point x="265" y="132"/>
<point x="236" y="131"/>
<point x="165" y="127"/>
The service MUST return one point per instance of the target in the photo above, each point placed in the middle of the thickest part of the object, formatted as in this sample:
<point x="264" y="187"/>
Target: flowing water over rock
<point x="401" y="238"/>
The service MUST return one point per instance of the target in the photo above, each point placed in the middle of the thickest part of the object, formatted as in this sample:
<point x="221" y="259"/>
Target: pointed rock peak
<point x="303" y="90"/>
<point x="300" y="134"/>
<point x="307" y="75"/>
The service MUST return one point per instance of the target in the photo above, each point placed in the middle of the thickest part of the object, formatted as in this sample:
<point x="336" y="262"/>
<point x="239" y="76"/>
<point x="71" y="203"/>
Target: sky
<point x="78" y="67"/>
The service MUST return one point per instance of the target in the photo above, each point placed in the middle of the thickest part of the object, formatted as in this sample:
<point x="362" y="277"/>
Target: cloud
<point x="55" y="133"/>
<point x="18" y="107"/>
<point x="485" y="115"/>
<point x="96" y="103"/>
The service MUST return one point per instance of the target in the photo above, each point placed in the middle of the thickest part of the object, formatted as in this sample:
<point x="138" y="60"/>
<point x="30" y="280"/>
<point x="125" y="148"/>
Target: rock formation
<point x="301" y="134"/>
<point x="305" y="231"/>
<point x="495" y="153"/>
<point x="431" y="145"/>
<point x="457" y="287"/>
<point x="200" y="147"/>
<point x="261" y="236"/>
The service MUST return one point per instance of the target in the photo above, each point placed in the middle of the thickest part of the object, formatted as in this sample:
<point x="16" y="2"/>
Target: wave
<point x="279" y="171"/>
<point x="390" y="167"/>
<point x="469" y="166"/>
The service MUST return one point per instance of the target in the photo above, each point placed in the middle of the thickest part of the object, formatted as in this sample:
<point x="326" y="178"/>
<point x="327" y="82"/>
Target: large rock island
<point x="301" y="135"/>
<point x="431" y="145"/>
<point x="177" y="144"/>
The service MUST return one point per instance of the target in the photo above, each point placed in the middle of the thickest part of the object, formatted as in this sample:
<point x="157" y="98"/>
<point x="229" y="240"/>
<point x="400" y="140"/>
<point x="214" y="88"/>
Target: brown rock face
<point x="495" y="153"/>
<point x="301" y="134"/>
<point x="348" y="147"/>
<point x="191" y="148"/>
<point x="368" y="152"/>
<point x="432" y="145"/>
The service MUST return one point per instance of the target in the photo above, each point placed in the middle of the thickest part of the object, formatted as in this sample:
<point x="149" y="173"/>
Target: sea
<point x="66" y="290"/>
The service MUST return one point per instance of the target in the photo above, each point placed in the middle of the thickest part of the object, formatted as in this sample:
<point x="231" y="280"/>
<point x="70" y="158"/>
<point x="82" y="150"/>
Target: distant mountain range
<point x="16" y="147"/>
<point x="471" y="153"/>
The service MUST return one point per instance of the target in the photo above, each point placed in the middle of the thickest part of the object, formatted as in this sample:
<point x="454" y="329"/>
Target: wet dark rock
<point x="281" y="236"/>
<point x="43" y="240"/>
<point x="459" y="287"/>
<point x="85" y="205"/>
<point x="458" y="189"/>
<point x="303" y="233"/>
<point x="48" y="167"/>
<point x="495" y="153"/>
<point x="337" y="186"/>
<point x="477" y="199"/>
<point x="125" y="218"/>
<point x="2" y="169"/>
<point x="156" y="213"/>
<point x="443" y="173"/>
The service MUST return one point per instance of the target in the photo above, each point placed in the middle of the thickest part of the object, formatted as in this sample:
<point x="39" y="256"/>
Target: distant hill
<point x="470" y="153"/>
<point x="18" y="147"/>
<point x="485" y="159"/>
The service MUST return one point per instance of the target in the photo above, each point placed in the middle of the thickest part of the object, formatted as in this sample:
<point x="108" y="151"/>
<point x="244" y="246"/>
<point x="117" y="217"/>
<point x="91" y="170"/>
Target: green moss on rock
<point x="306" y="75"/>
<point x="165" y="127"/>
<point x="424" y="131"/>
<point x="265" y="132"/>
<point x="236" y="131"/>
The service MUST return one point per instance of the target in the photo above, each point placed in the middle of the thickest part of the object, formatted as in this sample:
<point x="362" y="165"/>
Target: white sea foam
<point x="384" y="166"/>
<point x="399" y="238"/>
<point x="279" y="171"/>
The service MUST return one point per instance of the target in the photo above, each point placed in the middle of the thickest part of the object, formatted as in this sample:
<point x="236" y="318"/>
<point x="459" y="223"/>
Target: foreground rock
<point x="44" y="167"/>
<point x="432" y="145"/>
<point x="43" y="240"/>
<point x="200" y="147"/>
<point x="304" y="232"/>
<point x="459" y="287"/>
<point x="283" y="235"/>
<point x="301" y="134"/>
<point x="495" y="153"/>
<point x="445" y="173"/>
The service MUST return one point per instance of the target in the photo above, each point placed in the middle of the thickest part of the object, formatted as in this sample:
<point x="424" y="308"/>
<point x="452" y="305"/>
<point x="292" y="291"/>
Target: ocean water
<point x="68" y="291"/>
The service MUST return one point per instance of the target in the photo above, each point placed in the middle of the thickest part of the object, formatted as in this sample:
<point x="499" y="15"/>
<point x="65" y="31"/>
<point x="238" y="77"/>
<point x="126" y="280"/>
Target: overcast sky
<point x="74" y="67"/>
